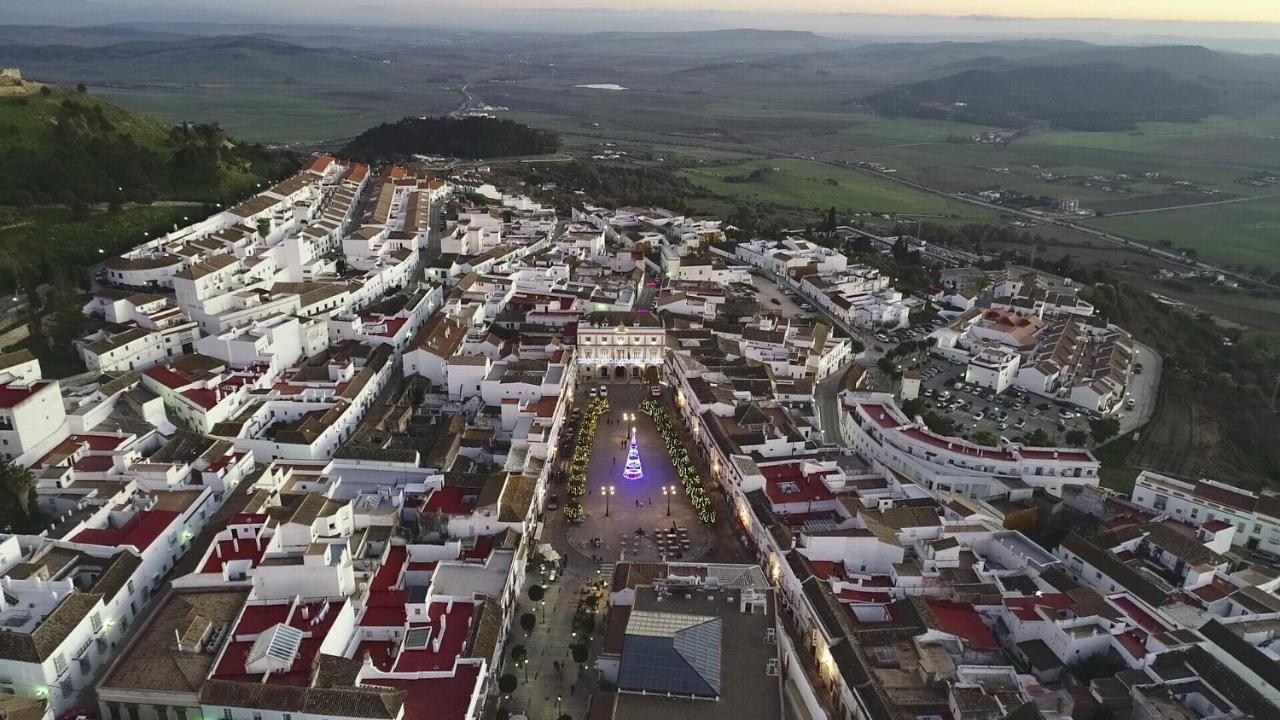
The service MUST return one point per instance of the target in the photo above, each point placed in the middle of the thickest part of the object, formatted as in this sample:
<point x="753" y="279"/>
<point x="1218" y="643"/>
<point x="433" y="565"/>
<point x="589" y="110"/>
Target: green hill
<point x="84" y="179"/>
<point x="470" y="137"/>
<point x="69" y="148"/>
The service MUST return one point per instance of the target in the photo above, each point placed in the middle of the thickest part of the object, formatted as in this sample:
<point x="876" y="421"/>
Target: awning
<point x="548" y="553"/>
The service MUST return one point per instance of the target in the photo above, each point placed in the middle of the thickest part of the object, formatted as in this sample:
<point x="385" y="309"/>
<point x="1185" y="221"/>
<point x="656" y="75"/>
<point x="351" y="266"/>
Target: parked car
<point x="655" y="391"/>
<point x="1020" y="424"/>
<point x="604" y="391"/>
<point x="591" y="393"/>
<point x="979" y="415"/>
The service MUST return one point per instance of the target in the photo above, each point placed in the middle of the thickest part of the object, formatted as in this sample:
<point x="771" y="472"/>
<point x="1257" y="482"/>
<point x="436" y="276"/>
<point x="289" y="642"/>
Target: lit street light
<point x="608" y="492"/>
<point x="668" y="490"/>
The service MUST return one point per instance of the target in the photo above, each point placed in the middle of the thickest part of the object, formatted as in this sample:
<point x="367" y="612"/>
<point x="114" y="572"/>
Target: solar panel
<point x="672" y="653"/>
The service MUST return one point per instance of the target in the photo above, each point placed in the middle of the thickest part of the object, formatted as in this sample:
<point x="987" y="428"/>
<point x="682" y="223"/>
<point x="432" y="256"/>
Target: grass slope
<point x="812" y="185"/>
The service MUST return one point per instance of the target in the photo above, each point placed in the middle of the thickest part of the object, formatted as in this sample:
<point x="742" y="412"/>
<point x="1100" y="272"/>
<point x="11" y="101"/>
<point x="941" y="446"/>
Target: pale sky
<point x="1191" y="10"/>
<point x="1253" y="19"/>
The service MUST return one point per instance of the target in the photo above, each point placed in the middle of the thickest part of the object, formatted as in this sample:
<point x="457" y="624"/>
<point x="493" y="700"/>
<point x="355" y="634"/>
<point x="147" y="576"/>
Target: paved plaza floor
<point x="635" y="505"/>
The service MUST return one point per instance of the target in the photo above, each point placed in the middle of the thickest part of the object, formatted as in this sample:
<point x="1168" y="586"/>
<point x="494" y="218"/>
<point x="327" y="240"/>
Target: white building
<point x="620" y="344"/>
<point x="874" y="426"/>
<point x="994" y="367"/>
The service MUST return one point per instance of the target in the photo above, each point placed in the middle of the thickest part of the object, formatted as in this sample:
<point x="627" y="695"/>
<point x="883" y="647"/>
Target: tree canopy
<point x="471" y="138"/>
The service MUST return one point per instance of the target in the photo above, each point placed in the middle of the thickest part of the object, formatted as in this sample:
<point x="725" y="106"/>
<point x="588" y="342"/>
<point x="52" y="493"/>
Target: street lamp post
<point x="608" y="492"/>
<point x="558" y="699"/>
<point x="668" y="490"/>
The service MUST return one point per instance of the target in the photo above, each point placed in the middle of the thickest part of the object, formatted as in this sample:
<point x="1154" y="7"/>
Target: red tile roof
<point x="1133" y="643"/>
<point x="94" y="463"/>
<point x="1223" y="496"/>
<point x="853" y="595"/>
<point x="962" y="620"/>
<point x="788" y="484"/>
<point x="438" y="698"/>
<point x="14" y="394"/>
<point x="225" y="551"/>
<point x="385" y="609"/>
<point x="139" y="531"/>
<point x="1144" y="619"/>
<point x="452" y="500"/>
<point x="203" y="397"/>
<point x="168" y="377"/>
<point x="1024" y="608"/>
<point x="389" y="572"/>
<point x="455" y="625"/>
<point x="320" y="164"/>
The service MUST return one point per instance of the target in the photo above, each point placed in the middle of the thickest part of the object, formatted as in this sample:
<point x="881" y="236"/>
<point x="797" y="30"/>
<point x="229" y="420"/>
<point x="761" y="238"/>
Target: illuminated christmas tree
<point x="633" y="470"/>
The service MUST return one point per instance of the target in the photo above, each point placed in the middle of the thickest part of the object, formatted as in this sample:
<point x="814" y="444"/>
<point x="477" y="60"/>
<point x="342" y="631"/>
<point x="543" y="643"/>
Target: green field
<point x="816" y="186"/>
<point x="1241" y="234"/>
<point x="282" y="114"/>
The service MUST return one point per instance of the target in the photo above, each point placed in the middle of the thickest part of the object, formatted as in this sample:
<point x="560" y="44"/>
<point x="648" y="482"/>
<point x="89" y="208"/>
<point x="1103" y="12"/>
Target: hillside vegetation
<point x="84" y="179"/>
<point x="71" y="149"/>
<point x="470" y="138"/>
<point x="1215" y="417"/>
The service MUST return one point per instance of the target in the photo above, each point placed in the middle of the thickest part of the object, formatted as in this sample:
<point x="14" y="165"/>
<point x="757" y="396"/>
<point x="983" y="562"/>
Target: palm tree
<point x="17" y="481"/>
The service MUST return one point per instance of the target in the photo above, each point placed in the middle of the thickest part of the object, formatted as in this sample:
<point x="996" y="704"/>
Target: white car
<point x="591" y="393"/>
<point x="604" y="391"/>
<point x="978" y="415"/>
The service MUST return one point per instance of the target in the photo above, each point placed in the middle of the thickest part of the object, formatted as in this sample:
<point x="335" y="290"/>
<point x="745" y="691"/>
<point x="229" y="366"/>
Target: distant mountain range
<point x="1094" y="88"/>
<point x="1088" y="97"/>
<point x="185" y="60"/>
<point x="1064" y="83"/>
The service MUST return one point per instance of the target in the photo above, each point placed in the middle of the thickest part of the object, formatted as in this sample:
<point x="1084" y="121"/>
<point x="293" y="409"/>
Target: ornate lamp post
<point x="608" y="492"/>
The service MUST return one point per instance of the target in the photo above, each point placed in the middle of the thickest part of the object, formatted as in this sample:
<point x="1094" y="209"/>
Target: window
<point x="60" y="663"/>
<point x="226" y="714"/>
<point x="96" y="620"/>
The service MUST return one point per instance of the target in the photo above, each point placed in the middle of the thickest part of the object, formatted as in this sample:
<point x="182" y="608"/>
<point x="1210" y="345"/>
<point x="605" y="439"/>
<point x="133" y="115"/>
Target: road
<point x="1144" y="388"/>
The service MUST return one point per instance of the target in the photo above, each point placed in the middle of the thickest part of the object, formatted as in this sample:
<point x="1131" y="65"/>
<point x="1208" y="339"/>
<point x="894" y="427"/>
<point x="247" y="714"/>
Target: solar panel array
<point x="672" y="653"/>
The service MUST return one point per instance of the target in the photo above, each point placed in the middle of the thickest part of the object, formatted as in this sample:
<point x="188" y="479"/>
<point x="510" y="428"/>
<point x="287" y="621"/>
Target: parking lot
<point x="772" y="299"/>
<point x="1012" y="414"/>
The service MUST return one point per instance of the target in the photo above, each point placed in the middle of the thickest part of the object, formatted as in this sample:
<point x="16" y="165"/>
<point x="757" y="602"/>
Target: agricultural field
<point x="280" y="114"/>
<point x="805" y="184"/>
<point x="1243" y="234"/>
